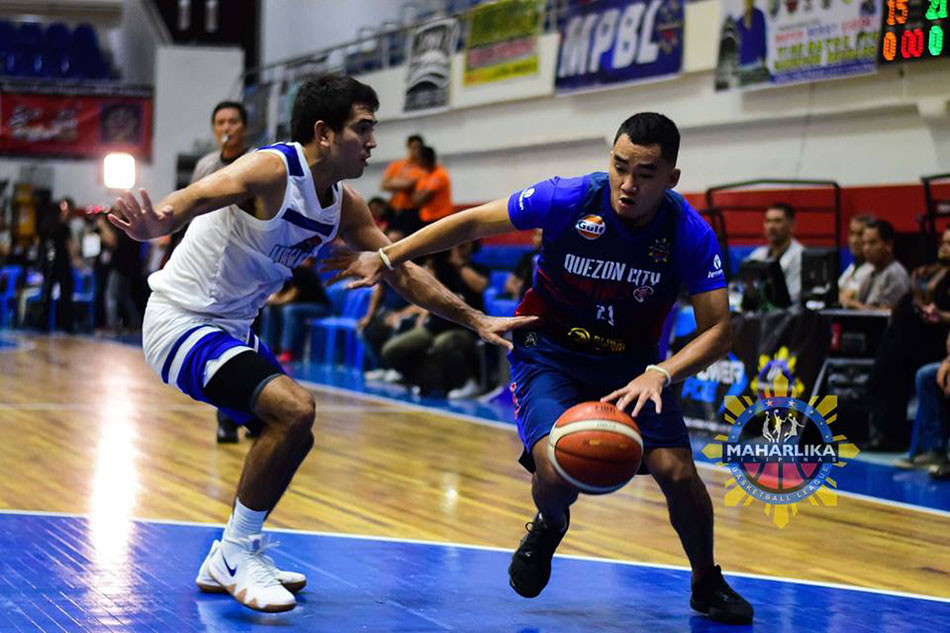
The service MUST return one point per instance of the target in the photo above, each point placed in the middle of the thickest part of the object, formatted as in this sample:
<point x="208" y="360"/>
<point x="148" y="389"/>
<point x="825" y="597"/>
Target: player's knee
<point x="675" y="474"/>
<point x="301" y="414"/>
<point x="547" y="476"/>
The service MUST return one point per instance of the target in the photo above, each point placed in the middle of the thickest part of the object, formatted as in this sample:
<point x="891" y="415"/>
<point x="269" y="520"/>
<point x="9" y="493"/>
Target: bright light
<point x="118" y="170"/>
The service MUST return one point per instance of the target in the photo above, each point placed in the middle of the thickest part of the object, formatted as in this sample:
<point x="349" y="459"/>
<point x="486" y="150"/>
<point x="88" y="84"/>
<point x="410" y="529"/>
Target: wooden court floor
<point x="85" y="427"/>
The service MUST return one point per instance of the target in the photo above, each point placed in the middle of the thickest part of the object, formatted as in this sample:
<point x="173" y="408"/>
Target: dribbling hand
<point x="646" y="386"/>
<point x="140" y="221"/>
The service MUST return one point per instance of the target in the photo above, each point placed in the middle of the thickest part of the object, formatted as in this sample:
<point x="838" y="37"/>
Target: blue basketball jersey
<point x="601" y="281"/>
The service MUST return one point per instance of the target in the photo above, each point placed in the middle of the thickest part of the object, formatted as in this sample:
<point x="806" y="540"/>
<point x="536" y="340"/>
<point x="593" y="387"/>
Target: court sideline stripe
<point x="488" y="548"/>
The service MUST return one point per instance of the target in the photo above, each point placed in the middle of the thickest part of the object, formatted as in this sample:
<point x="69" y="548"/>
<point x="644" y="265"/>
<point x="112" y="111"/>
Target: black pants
<point x="65" y="319"/>
<point x="907" y="345"/>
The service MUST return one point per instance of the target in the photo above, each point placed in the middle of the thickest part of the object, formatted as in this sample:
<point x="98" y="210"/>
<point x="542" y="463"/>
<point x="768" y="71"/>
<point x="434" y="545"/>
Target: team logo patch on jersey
<point x="660" y="250"/>
<point x="527" y="193"/>
<point x="591" y="227"/>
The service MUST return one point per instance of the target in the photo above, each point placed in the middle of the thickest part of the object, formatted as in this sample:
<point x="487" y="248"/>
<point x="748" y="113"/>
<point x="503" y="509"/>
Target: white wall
<point x="134" y="42"/>
<point x="295" y="27"/>
<point x="189" y="81"/>
<point x="882" y="129"/>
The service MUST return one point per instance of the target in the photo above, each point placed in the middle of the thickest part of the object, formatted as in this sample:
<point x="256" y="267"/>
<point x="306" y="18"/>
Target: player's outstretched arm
<point x="260" y="174"/>
<point x="368" y="267"/>
<point x="416" y="284"/>
<point x="713" y="342"/>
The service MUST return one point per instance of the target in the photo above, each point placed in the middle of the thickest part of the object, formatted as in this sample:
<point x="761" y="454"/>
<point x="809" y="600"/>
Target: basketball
<point x="595" y="447"/>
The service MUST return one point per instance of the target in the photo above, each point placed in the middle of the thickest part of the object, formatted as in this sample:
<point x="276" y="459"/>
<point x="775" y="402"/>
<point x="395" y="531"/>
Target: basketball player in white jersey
<point x="197" y="334"/>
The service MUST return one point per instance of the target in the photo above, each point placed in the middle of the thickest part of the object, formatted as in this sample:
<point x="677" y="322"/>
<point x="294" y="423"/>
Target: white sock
<point x="244" y="522"/>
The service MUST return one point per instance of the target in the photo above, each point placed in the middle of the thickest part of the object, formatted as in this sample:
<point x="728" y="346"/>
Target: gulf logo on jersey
<point x="590" y="227"/>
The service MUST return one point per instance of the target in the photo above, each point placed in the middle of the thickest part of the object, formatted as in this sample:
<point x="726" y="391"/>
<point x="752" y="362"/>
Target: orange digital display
<point x="912" y="30"/>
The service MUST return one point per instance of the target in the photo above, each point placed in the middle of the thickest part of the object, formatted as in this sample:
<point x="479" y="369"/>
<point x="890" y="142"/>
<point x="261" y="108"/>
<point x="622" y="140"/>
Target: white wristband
<point x="665" y="373"/>
<point x="383" y="256"/>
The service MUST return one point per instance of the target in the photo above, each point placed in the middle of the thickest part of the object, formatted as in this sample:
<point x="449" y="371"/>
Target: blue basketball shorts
<point x="186" y="350"/>
<point x="547" y="379"/>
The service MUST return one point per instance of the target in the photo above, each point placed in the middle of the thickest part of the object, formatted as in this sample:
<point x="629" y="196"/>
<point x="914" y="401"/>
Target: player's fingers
<point x="625" y="400"/>
<point x="640" y="401"/>
<point x="658" y="401"/>
<point x="500" y="341"/>
<point x="516" y="323"/>
<point x="365" y="282"/>
<point x="131" y="203"/>
<point x="119" y="209"/>
<point x="613" y="395"/>
<point x="116" y="221"/>
<point x="146" y="202"/>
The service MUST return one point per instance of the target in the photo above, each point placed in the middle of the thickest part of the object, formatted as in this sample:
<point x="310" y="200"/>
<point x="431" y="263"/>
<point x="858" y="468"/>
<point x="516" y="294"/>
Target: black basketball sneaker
<point x="530" y="567"/>
<point x="716" y="599"/>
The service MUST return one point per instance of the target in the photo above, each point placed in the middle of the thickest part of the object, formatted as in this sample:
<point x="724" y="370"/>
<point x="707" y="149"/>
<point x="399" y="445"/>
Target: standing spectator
<point x="123" y="278"/>
<point x="888" y="280"/>
<point x="400" y="180"/>
<point x="284" y="318"/>
<point x="58" y="254"/>
<point x="779" y="233"/>
<point x="433" y="192"/>
<point x="858" y="270"/>
<point x="229" y="126"/>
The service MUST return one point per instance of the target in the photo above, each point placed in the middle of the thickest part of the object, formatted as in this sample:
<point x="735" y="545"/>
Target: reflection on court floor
<point x="67" y="573"/>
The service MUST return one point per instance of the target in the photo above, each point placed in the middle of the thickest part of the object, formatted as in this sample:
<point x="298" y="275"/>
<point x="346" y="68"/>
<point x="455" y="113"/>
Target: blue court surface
<point x="67" y="573"/>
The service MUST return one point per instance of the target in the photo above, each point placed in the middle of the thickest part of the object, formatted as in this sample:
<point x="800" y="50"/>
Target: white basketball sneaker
<point x="291" y="580"/>
<point x="249" y="575"/>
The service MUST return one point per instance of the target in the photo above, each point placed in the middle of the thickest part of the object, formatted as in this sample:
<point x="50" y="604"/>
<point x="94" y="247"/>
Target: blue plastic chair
<point x="84" y="292"/>
<point x="326" y="329"/>
<point x="9" y="276"/>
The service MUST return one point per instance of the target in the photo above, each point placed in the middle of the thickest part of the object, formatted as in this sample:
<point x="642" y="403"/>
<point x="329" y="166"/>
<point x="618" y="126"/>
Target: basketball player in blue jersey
<point x="197" y="330"/>
<point x="616" y="248"/>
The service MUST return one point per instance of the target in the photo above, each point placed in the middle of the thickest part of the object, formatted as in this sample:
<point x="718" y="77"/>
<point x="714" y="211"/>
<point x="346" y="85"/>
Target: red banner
<point x="57" y="123"/>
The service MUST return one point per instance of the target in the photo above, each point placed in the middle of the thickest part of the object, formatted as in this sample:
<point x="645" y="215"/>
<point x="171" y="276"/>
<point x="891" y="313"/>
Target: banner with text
<point x="503" y="41"/>
<point x="430" y="62"/>
<point x="69" y="124"/>
<point x="619" y="41"/>
<point x="793" y="41"/>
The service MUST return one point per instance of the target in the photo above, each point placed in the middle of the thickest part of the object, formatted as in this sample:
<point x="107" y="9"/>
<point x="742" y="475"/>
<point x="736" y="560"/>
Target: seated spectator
<point x="779" y="233"/>
<point x="433" y="191"/>
<point x="382" y="214"/>
<point x="928" y="444"/>
<point x="888" y="280"/>
<point x="437" y="356"/>
<point x="521" y="278"/>
<point x="858" y="270"/>
<point x="918" y="327"/>
<point x="284" y="318"/>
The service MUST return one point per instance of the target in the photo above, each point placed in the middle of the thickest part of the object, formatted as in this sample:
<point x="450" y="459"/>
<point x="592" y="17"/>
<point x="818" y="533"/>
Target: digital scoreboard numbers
<point x="913" y="30"/>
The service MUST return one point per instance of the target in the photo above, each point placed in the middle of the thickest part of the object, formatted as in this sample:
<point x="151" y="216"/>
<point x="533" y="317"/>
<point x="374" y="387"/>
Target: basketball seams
<point x="612" y="426"/>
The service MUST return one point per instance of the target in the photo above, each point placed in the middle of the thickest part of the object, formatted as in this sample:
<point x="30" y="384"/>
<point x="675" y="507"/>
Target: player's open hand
<point x="646" y="386"/>
<point x="141" y="221"/>
<point x="366" y="267"/>
<point x="492" y="329"/>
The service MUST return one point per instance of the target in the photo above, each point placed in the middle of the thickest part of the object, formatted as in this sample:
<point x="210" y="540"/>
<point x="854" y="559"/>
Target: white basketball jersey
<point x="229" y="261"/>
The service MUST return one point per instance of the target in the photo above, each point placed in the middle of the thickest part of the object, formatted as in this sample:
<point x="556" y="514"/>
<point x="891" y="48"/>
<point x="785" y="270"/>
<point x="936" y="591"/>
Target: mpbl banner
<point x="620" y="41"/>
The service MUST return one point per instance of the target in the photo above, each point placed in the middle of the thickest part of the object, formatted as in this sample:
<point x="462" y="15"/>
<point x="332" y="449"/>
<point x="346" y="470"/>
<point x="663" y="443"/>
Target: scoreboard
<point x="913" y="30"/>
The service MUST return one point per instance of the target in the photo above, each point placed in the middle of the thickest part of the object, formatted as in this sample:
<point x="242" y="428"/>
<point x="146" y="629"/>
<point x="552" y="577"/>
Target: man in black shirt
<point x="58" y="253"/>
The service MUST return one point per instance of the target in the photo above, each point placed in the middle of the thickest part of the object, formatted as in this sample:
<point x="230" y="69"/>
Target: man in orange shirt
<point x="433" y="193"/>
<point x="400" y="179"/>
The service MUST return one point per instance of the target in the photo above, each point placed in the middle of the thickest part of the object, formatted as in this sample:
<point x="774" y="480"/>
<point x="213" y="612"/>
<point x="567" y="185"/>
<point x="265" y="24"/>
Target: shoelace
<point x="262" y="567"/>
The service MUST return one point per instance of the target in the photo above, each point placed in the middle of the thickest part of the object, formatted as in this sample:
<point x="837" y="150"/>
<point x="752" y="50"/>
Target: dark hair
<point x="414" y="138"/>
<point x="427" y="154"/>
<point x="650" y="128"/>
<point x="865" y="218"/>
<point x="884" y="228"/>
<point x="784" y="207"/>
<point x="330" y="99"/>
<point x="378" y="200"/>
<point x="224" y="105"/>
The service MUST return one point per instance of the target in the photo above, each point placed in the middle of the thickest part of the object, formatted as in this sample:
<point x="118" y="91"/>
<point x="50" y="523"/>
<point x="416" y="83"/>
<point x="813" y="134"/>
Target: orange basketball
<point x="596" y="447"/>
